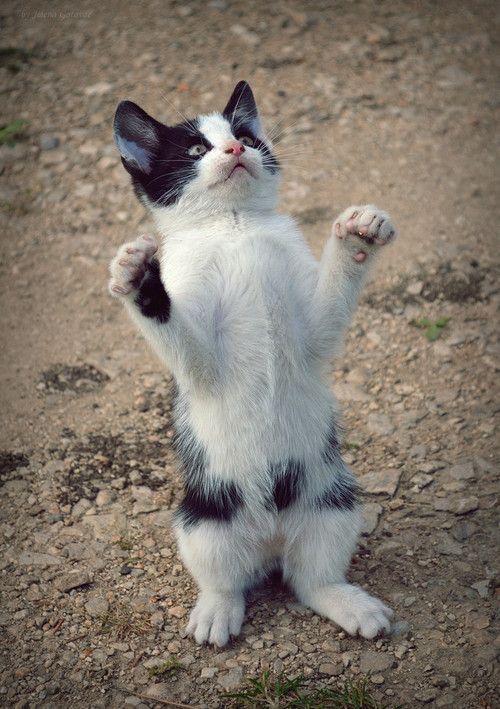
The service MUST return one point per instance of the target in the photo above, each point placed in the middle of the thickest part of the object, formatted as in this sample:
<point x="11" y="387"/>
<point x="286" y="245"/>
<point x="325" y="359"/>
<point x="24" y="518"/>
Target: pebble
<point x="371" y="516"/>
<point x="426" y="695"/>
<point x="96" y="607"/>
<point x="380" y="424"/>
<point x="231" y="680"/>
<point x="177" y="611"/>
<point x="49" y="142"/>
<point x="372" y="661"/>
<point x="333" y="670"/>
<point x="74" y="579"/>
<point x="383" y="482"/>
<point x="209" y="672"/>
<point x="465" y="505"/>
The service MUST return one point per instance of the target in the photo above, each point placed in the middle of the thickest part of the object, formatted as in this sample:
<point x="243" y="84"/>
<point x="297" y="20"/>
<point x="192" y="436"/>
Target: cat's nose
<point x="234" y="147"/>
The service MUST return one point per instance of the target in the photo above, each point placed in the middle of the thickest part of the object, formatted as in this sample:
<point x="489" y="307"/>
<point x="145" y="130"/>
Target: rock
<point x="232" y="679"/>
<point x="426" y="695"/>
<point x="465" y="505"/>
<point x="380" y="424"/>
<point x="159" y="690"/>
<point x="371" y="515"/>
<point x="447" y="546"/>
<point x="33" y="558"/>
<point x="209" y="672"/>
<point x="415" y="287"/>
<point x="157" y="619"/>
<point x="49" y="142"/>
<point x="80" y="508"/>
<point x="350" y="392"/>
<point x="99" y="89"/>
<point x="463" y="530"/>
<point x="107" y="526"/>
<point x="74" y="579"/>
<point x="372" y="661"/>
<point x="105" y="497"/>
<point x="177" y="611"/>
<point x="482" y="587"/>
<point x="96" y="607"/>
<point x="250" y="38"/>
<point x="384" y="482"/>
<point x="461" y="471"/>
<point x="377" y="679"/>
<point x="421" y="480"/>
<point x="333" y="670"/>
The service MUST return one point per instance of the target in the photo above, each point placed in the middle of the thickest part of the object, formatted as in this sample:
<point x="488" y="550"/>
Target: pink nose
<point x="234" y="147"/>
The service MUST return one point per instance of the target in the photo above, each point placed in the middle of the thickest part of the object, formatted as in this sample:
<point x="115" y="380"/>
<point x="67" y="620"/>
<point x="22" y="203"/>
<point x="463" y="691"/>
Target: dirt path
<point x="386" y="102"/>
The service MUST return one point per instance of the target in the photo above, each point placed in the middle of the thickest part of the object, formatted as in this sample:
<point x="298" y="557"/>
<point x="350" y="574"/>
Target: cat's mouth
<point x="239" y="167"/>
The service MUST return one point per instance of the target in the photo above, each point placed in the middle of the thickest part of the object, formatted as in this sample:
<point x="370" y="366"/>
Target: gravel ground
<point x="379" y="101"/>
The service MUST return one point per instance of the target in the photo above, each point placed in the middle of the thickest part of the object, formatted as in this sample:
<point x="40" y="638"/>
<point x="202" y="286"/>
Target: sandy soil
<point x="392" y="103"/>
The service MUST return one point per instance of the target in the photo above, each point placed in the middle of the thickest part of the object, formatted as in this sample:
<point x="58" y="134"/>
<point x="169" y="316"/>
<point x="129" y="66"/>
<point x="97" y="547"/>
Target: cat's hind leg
<point x="225" y="561"/>
<point x="321" y="540"/>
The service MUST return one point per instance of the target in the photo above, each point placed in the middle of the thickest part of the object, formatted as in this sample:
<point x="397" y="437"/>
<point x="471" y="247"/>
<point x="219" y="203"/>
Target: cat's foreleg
<point x="357" y="236"/>
<point x="136" y="281"/>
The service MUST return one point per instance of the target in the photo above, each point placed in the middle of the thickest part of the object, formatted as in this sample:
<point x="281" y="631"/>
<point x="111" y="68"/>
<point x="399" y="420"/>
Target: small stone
<point x="421" y="480"/>
<point x="372" y="661"/>
<point x="371" y="516"/>
<point x="426" y="695"/>
<point x="177" y="611"/>
<point x="333" y="670"/>
<point x="384" y="482"/>
<point x="209" y="672"/>
<point x="49" y="142"/>
<point x="105" y="497"/>
<point x="466" y="505"/>
<point x="232" y="679"/>
<point x="157" y="619"/>
<point x="380" y="424"/>
<point x="409" y="601"/>
<point x="415" y="287"/>
<point x="79" y="509"/>
<point x="99" y="89"/>
<point x="462" y="471"/>
<point x="73" y="579"/>
<point x="96" y="607"/>
<point x="377" y="679"/>
<point x="482" y="587"/>
<point x="247" y="36"/>
<point x="33" y="558"/>
<point x="462" y="530"/>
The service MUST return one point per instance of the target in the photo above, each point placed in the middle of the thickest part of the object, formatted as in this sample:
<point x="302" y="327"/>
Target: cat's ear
<point x="241" y="106"/>
<point x="137" y="136"/>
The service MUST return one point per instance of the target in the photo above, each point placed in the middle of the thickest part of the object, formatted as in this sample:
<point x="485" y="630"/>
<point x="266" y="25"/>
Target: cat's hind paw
<point x="364" y="229"/>
<point x="129" y="265"/>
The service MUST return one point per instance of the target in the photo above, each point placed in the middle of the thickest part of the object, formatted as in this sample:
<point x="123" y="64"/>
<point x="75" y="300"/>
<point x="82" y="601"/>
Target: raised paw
<point x="352" y="609"/>
<point x="216" y="618"/>
<point x="129" y="265"/>
<point x="364" y="229"/>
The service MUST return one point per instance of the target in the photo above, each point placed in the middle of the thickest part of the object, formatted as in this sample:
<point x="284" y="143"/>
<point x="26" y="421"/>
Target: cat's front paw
<point x="216" y="618"/>
<point x="129" y="265"/>
<point x="364" y="230"/>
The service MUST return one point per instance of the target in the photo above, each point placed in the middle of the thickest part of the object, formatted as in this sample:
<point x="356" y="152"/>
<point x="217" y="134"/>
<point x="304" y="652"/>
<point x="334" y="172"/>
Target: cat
<point x="247" y="321"/>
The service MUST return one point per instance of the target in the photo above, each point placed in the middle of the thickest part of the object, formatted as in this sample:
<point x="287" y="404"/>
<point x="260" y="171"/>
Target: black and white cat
<point x="247" y="321"/>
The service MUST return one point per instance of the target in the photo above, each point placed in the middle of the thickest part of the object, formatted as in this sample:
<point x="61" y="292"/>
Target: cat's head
<point x="216" y="162"/>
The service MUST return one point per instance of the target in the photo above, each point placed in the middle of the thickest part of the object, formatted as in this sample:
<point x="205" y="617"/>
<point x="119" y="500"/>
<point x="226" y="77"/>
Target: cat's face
<point x="219" y="161"/>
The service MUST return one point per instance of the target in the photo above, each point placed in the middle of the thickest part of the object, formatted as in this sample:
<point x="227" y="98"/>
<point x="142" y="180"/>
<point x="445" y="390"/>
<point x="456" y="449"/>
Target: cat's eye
<point x="246" y="140"/>
<point x="197" y="151"/>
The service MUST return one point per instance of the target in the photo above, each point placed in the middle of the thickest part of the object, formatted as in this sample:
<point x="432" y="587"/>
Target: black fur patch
<point x="343" y="494"/>
<point x="152" y="298"/>
<point x="169" y="165"/>
<point x="288" y="482"/>
<point x="219" y="504"/>
<point x="331" y="452"/>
